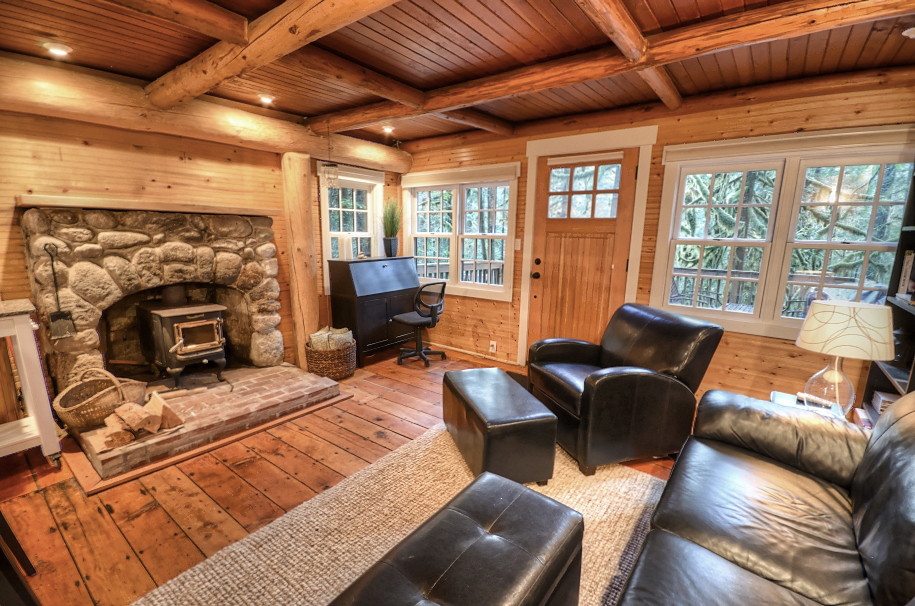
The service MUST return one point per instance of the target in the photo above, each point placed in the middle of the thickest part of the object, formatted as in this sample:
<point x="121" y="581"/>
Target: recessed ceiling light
<point x="268" y="99"/>
<point x="909" y="33"/>
<point x="388" y="129"/>
<point x="58" y="50"/>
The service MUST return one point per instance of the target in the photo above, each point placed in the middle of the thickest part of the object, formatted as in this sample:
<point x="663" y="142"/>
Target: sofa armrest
<point x="572" y="351"/>
<point x="629" y="412"/>
<point x="826" y="447"/>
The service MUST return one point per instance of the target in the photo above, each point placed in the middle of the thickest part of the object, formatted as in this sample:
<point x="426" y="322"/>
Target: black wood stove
<point x="172" y="337"/>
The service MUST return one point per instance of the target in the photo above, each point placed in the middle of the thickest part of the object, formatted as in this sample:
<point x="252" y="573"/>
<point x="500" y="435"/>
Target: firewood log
<point x="158" y="406"/>
<point x="138" y="417"/>
<point x="116" y="432"/>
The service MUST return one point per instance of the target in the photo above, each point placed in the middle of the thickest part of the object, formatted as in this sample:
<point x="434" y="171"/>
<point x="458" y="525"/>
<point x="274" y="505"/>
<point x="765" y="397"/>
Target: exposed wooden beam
<point x="802" y="88"/>
<point x="658" y="78"/>
<point x="40" y="90"/>
<point x="198" y="15"/>
<point x="277" y="33"/>
<point x="330" y="66"/>
<point x="478" y="119"/>
<point x="780" y="21"/>
<point x="614" y="19"/>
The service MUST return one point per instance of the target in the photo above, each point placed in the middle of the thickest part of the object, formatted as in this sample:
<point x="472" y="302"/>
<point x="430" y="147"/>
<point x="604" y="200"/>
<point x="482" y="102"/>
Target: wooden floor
<point x="114" y="547"/>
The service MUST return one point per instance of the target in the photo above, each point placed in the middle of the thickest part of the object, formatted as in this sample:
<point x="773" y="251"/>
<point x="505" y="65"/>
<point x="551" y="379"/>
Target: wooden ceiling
<point x="431" y="44"/>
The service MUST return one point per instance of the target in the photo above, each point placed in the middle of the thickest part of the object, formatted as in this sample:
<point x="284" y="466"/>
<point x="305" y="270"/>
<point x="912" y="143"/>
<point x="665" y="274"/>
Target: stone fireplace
<point x="110" y="261"/>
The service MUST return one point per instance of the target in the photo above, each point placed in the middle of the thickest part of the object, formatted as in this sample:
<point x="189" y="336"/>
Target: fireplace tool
<point x="62" y="324"/>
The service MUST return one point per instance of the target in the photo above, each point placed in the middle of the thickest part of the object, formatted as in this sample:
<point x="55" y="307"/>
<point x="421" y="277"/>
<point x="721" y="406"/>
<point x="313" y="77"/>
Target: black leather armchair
<point x="631" y="396"/>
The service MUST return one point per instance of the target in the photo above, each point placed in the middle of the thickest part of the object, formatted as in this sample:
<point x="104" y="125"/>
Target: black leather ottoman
<point x="496" y="543"/>
<point x="498" y="426"/>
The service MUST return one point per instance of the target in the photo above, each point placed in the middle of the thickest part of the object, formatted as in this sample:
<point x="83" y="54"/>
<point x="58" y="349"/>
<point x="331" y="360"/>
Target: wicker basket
<point x="86" y="403"/>
<point x="334" y="364"/>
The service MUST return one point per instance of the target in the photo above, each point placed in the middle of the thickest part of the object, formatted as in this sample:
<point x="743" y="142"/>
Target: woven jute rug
<point x="312" y="553"/>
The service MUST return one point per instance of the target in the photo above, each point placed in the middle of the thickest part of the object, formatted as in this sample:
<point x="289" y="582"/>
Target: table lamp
<point x="843" y="329"/>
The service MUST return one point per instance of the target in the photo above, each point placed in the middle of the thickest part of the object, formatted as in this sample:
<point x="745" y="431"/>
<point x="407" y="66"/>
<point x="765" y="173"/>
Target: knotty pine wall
<point x="58" y="157"/>
<point x="749" y="364"/>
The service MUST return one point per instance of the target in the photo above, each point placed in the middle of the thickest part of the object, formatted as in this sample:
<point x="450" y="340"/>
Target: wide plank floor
<point x="111" y="548"/>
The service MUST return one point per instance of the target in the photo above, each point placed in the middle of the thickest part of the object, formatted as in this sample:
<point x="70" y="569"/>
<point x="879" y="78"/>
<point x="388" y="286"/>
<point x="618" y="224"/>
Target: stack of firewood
<point x="132" y="420"/>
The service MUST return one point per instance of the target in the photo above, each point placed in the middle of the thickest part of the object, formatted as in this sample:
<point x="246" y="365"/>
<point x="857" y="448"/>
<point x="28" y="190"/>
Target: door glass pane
<point x="559" y="179"/>
<point x="583" y="178"/>
<point x="608" y="176"/>
<point x="558" y="207"/>
<point x="605" y="206"/>
<point x="581" y="206"/>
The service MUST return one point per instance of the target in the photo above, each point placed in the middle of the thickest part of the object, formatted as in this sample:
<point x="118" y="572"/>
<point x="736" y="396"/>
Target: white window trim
<point x="350" y="176"/>
<point x="509" y="171"/>
<point x="793" y="150"/>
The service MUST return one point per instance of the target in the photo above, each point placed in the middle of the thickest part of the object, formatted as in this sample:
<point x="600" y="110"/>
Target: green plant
<point x="391" y="218"/>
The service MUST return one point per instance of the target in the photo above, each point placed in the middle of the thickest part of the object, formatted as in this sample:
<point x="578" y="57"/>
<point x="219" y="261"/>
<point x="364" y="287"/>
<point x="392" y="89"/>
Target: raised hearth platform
<point x="249" y="397"/>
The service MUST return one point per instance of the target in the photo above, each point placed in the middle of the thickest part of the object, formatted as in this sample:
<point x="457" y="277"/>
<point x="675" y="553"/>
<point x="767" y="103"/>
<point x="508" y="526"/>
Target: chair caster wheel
<point x="443" y="356"/>
<point x="400" y="362"/>
<point x="427" y="363"/>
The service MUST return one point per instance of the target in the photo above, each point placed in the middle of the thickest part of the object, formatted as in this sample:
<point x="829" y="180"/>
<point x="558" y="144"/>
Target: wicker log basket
<point x="86" y="403"/>
<point x="334" y="364"/>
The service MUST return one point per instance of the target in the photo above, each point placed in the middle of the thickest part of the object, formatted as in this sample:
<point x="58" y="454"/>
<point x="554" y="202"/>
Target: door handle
<point x="536" y="275"/>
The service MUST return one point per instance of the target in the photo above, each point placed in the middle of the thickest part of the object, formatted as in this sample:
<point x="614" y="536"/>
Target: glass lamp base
<point x="829" y="387"/>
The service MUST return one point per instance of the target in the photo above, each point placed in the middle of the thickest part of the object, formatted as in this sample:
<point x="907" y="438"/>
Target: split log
<point x="158" y="406"/>
<point x="138" y="417"/>
<point x="116" y="432"/>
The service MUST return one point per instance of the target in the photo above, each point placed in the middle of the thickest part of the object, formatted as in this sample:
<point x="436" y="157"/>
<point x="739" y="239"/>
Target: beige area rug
<point x="308" y="556"/>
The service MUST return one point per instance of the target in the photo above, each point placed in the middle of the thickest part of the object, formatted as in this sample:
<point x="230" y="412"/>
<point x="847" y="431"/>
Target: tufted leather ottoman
<point x="498" y="425"/>
<point x="496" y="543"/>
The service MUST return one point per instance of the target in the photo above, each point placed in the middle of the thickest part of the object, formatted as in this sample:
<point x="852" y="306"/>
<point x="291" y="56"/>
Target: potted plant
<point x="390" y="220"/>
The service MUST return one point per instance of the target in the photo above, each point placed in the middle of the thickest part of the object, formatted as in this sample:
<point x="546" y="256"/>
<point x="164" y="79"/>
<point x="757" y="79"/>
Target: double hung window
<point x="753" y="240"/>
<point x="460" y="232"/>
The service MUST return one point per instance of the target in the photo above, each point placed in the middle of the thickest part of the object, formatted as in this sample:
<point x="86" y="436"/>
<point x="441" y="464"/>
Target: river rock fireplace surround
<point x="106" y="256"/>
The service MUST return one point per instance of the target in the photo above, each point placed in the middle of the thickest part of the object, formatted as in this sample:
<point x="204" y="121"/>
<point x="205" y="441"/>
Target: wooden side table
<point x="38" y="428"/>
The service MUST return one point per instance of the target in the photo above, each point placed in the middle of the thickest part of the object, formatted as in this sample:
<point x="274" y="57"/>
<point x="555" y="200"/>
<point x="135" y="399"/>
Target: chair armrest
<point x="565" y="350"/>
<point x="629" y="412"/>
<point x="826" y="447"/>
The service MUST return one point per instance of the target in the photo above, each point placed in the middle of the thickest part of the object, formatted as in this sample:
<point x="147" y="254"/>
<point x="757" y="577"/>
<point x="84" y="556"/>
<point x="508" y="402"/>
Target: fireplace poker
<point x="62" y="324"/>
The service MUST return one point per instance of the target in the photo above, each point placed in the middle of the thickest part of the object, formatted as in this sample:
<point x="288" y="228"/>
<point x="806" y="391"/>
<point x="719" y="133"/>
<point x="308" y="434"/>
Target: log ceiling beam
<point x="198" y="15"/>
<point x="478" y="119"/>
<point x="43" y="90"/>
<point x="614" y="19"/>
<point x="275" y="34"/>
<point x="801" y="88"/>
<point x="777" y="22"/>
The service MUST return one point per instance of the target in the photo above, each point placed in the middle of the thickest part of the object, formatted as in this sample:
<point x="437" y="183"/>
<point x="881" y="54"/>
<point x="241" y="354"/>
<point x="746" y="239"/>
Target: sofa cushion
<point x="883" y="492"/>
<point x="562" y="382"/>
<point x="771" y="519"/>
<point x="675" y="572"/>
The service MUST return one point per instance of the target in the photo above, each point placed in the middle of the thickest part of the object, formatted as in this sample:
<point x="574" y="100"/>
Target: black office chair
<point x="428" y="305"/>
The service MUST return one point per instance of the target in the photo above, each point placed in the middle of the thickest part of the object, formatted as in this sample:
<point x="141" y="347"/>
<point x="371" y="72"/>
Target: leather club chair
<point x="631" y="396"/>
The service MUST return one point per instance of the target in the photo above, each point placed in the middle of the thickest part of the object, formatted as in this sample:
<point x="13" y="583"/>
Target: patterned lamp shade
<point x="848" y="330"/>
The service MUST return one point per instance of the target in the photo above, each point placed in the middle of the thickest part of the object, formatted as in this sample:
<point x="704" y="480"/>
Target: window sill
<point x="476" y="292"/>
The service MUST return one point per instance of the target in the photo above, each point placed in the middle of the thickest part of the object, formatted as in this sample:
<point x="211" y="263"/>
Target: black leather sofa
<point x="631" y="396"/>
<point x="772" y="505"/>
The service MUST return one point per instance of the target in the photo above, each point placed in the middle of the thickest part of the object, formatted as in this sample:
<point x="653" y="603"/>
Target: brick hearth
<point x="248" y="398"/>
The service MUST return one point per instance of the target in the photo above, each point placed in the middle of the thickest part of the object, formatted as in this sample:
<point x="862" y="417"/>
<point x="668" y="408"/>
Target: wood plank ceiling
<point x="430" y="44"/>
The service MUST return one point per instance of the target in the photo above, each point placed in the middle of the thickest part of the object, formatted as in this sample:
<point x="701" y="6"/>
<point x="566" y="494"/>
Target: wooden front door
<point x="582" y="225"/>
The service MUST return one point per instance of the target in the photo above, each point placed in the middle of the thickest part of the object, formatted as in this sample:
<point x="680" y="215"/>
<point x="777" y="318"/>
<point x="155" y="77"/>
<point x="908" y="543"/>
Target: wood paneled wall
<point x="58" y="157"/>
<point x="752" y="365"/>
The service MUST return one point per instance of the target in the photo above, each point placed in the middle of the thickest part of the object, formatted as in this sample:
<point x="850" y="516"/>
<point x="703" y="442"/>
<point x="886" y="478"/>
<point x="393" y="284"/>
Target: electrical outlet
<point x="492" y="347"/>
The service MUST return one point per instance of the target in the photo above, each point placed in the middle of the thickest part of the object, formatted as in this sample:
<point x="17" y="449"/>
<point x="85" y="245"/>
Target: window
<point x="460" y="231"/>
<point x="589" y="199"/>
<point x="350" y="216"/>
<point x="755" y="238"/>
